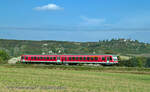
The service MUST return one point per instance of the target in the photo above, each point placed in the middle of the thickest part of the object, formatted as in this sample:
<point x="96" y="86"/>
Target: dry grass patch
<point x="56" y="80"/>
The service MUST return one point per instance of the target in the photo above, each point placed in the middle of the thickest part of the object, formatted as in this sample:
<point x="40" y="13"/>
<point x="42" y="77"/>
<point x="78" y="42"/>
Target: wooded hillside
<point x="114" y="46"/>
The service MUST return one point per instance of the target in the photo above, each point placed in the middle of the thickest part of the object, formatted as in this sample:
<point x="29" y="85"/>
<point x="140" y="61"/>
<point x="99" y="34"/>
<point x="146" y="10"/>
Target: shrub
<point x="147" y="63"/>
<point x="3" y="56"/>
<point x="134" y="62"/>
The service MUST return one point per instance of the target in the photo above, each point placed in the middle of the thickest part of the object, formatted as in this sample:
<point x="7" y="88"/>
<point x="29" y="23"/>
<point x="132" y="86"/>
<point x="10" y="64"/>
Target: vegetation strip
<point x="110" y="69"/>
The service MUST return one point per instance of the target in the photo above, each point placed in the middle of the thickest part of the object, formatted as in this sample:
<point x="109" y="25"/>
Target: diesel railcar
<point x="70" y="59"/>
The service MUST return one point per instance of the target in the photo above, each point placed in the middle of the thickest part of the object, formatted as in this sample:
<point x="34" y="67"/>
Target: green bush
<point x="147" y="63"/>
<point x="1" y="60"/>
<point x="134" y="62"/>
<point x="4" y="57"/>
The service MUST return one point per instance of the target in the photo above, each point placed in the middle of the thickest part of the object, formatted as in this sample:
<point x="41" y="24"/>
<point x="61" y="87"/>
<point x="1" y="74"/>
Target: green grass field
<point x="28" y="79"/>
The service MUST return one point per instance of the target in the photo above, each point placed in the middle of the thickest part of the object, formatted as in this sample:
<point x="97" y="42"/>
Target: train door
<point x="58" y="59"/>
<point x="108" y="59"/>
<point x="62" y="58"/>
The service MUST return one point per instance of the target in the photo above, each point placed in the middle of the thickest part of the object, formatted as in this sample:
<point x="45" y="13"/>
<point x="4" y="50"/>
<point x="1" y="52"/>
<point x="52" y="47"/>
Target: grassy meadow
<point x="30" y="79"/>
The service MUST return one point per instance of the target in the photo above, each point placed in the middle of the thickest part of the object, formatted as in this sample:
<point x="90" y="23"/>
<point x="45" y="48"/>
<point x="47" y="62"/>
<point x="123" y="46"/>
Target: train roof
<point x="69" y="55"/>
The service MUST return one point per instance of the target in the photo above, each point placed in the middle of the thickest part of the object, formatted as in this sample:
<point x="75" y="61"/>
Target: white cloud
<point x="49" y="7"/>
<point x="92" y="21"/>
<point x="137" y="22"/>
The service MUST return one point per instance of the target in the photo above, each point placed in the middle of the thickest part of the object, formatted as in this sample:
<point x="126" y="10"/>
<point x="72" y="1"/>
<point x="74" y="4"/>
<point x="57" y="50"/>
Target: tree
<point x="141" y="61"/>
<point x="134" y="62"/>
<point x="3" y="56"/>
<point x="147" y="63"/>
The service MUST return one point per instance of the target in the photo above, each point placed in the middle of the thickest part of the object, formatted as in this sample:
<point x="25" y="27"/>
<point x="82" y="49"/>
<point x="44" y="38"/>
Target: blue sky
<point x="75" y="20"/>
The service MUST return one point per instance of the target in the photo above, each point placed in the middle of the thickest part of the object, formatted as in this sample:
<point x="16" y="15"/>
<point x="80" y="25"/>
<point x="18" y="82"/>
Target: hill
<point x="114" y="46"/>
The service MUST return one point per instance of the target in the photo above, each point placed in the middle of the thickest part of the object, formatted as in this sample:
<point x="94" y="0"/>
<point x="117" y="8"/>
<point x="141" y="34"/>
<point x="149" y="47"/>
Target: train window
<point x="103" y="58"/>
<point x="73" y="58"/>
<point x="26" y="57"/>
<point x="77" y="58"/>
<point x="69" y="58"/>
<point x="110" y="58"/>
<point x="65" y="58"/>
<point x="41" y="57"/>
<point x="54" y="58"/>
<point x="47" y="57"/>
<point x="88" y="58"/>
<point x="80" y="58"/>
<point x="35" y="58"/>
<point x="51" y="58"/>
<point x="38" y="58"/>
<point x="22" y="57"/>
<point x="31" y="58"/>
<point x="44" y="57"/>
<point x="96" y="58"/>
<point x="84" y="58"/>
<point x="58" y="58"/>
<point x="92" y="58"/>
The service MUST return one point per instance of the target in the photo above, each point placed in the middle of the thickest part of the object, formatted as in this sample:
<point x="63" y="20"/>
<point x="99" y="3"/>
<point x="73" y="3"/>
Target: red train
<point x="70" y="59"/>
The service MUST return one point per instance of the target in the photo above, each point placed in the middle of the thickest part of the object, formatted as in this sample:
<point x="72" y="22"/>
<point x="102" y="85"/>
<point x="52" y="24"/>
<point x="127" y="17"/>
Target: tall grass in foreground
<point x="56" y="80"/>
